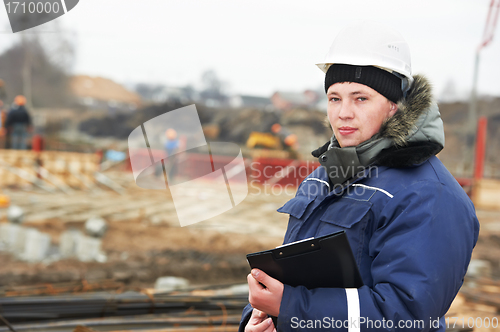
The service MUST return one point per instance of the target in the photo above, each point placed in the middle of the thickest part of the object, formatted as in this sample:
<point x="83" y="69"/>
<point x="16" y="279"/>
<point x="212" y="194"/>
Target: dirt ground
<point x="144" y="240"/>
<point x="482" y="308"/>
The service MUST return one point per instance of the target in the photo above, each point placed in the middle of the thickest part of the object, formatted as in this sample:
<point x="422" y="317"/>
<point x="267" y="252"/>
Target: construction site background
<point x="143" y="241"/>
<point x="72" y="219"/>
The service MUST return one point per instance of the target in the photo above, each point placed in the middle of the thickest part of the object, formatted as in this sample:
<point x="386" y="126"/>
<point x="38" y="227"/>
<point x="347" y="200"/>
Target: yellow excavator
<point x="279" y="139"/>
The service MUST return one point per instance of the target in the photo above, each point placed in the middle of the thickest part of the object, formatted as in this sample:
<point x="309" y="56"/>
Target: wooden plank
<point x="25" y="177"/>
<point x="61" y="165"/>
<point x="486" y="194"/>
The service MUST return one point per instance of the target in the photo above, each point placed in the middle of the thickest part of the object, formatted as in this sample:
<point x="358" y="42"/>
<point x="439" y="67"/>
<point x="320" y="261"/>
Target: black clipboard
<point x="325" y="261"/>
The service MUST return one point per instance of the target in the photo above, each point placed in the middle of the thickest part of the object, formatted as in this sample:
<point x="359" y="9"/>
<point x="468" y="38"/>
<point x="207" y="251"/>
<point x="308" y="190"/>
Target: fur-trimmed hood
<point x="416" y="113"/>
<point x="414" y="134"/>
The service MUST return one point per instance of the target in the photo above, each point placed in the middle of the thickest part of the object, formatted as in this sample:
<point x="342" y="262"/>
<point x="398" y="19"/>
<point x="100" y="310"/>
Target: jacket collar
<point x="323" y="186"/>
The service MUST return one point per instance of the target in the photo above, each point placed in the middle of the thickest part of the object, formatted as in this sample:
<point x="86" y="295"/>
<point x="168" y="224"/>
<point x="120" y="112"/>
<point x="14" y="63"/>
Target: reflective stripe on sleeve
<point x="353" y="309"/>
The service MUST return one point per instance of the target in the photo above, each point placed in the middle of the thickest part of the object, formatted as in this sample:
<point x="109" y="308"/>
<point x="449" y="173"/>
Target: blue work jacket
<point x="411" y="230"/>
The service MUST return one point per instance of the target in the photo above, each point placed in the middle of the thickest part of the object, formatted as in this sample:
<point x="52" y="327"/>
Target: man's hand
<point x="259" y="323"/>
<point x="266" y="298"/>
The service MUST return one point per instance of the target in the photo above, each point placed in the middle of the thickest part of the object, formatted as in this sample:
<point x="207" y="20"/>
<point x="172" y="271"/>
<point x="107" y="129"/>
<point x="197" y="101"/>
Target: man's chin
<point x="344" y="143"/>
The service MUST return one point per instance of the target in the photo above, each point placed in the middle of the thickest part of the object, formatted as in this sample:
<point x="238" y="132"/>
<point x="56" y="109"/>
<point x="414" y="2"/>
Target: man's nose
<point x="346" y="111"/>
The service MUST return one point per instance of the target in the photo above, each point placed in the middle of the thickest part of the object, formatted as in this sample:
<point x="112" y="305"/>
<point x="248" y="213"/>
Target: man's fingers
<point x="257" y="317"/>
<point x="253" y="283"/>
<point x="258" y="323"/>
<point x="263" y="278"/>
<point x="266" y="298"/>
<point x="266" y="326"/>
<point x="253" y="290"/>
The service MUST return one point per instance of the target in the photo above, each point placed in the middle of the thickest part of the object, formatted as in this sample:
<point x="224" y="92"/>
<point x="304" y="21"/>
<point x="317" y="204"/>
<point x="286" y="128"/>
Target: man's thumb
<point x="261" y="276"/>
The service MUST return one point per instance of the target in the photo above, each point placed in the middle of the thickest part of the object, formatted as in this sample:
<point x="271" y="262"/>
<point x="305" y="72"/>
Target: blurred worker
<point x="171" y="146"/>
<point x="3" y="130"/>
<point x="18" y="124"/>
<point x="287" y="139"/>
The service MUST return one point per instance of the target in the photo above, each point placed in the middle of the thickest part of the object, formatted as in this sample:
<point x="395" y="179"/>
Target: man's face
<point x="356" y="112"/>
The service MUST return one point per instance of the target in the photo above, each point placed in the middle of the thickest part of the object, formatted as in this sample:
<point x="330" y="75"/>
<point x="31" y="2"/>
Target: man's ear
<point x="393" y="109"/>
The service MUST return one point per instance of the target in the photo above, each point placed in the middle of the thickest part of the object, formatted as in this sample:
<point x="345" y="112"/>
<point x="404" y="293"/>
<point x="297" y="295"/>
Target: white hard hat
<point x="371" y="44"/>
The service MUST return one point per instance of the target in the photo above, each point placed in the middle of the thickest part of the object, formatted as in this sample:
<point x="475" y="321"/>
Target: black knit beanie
<point x="385" y="83"/>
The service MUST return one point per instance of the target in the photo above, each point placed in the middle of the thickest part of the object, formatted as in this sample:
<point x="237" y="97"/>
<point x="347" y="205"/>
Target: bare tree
<point x="38" y="69"/>
<point x="213" y="87"/>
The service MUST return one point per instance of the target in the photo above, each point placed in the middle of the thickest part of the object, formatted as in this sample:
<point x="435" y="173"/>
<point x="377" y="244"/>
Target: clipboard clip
<point x="300" y="247"/>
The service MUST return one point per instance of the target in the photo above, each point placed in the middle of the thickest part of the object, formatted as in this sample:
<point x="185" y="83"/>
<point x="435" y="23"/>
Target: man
<point x="287" y="139"/>
<point x="410" y="225"/>
<point x="171" y="147"/>
<point x="3" y="131"/>
<point x="18" y="124"/>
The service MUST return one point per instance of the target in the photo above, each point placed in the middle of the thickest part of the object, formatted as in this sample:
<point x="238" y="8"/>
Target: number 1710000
<point x="32" y="7"/>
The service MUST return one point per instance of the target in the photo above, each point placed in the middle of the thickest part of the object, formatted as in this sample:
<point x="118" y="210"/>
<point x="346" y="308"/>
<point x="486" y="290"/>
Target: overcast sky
<point x="260" y="46"/>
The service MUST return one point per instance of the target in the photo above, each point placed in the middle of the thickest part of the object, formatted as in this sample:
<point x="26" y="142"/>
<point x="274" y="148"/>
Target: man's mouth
<point x="347" y="130"/>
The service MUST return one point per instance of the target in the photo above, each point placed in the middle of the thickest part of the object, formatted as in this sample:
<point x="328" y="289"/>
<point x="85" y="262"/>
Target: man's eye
<point x="334" y="99"/>
<point x="362" y="98"/>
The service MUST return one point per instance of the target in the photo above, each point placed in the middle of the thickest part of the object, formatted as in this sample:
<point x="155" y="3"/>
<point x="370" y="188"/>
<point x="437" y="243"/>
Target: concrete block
<point x="12" y="237"/>
<point x="96" y="227"/>
<point x="88" y="249"/>
<point x="36" y="246"/>
<point x="15" y="214"/>
<point x="479" y="269"/>
<point x="68" y="243"/>
<point x="168" y="284"/>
